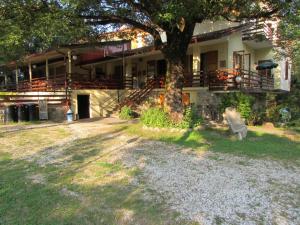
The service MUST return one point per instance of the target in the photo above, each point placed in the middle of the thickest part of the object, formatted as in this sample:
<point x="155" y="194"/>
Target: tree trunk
<point x="173" y="89"/>
<point x="175" y="52"/>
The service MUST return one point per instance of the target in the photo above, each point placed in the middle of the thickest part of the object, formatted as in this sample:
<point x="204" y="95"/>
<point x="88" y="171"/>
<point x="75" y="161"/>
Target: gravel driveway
<point x="219" y="188"/>
<point x="210" y="188"/>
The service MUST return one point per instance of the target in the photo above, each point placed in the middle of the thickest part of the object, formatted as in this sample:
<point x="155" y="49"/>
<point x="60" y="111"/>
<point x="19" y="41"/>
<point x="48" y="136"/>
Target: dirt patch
<point x="37" y="179"/>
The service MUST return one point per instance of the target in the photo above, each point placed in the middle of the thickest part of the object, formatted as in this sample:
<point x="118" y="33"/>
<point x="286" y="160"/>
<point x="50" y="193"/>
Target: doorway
<point x="209" y="61"/>
<point x="83" y="103"/>
<point x="209" y="65"/>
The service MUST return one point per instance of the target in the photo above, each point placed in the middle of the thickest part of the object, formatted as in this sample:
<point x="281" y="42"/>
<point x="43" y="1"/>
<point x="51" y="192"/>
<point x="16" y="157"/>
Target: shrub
<point x="190" y="118"/>
<point x="242" y="102"/>
<point x="126" y="113"/>
<point x="256" y="118"/>
<point x="155" y="117"/>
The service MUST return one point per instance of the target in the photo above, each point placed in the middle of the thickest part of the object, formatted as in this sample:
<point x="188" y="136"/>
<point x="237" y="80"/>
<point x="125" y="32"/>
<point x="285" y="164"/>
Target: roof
<point x="97" y="46"/>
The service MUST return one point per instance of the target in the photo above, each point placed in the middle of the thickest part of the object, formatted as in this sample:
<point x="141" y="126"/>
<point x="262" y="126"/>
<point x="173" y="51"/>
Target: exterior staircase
<point x="138" y="96"/>
<point x="112" y="104"/>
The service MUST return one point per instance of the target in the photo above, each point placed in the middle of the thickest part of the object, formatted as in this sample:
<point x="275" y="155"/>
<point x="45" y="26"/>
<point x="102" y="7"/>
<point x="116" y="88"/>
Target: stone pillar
<point x="128" y="74"/>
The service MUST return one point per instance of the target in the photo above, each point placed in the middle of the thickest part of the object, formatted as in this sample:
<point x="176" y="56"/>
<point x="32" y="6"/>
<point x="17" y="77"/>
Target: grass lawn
<point x="88" y="187"/>
<point x="260" y="143"/>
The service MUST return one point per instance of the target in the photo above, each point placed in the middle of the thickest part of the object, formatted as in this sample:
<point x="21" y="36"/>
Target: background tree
<point x="35" y="25"/>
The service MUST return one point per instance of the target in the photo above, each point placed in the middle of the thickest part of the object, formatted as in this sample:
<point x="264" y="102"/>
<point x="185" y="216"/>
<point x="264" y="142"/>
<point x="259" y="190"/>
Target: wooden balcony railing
<point x="226" y="80"/>
<point x="221" y="80"/>
<point x="258" y="30"/>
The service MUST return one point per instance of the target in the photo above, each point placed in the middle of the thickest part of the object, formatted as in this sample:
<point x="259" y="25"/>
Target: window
<point x="286" y="70"/>
<point x="100" y="74"/>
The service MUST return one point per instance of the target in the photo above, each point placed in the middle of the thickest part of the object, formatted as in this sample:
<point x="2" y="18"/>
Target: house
<point x="97" y="79"/>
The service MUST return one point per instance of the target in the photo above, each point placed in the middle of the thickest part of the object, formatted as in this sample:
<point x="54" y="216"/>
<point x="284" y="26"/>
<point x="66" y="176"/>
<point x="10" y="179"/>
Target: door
<point x="209" y="65"/>
<point x="209" y="61"/>
<point x="83" y="103"/>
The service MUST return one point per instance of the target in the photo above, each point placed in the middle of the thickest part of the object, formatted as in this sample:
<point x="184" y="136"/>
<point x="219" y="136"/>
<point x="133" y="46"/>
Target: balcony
<point x="241" y="80"/>
<point x="259" y="31"/>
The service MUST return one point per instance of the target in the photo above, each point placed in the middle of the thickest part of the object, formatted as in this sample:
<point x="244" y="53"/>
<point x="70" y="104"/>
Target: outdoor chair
<point x="235" y="122"/>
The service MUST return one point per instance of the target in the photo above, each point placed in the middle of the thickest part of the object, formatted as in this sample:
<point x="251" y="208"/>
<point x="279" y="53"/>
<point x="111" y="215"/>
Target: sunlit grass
<point x="258" y="144"/>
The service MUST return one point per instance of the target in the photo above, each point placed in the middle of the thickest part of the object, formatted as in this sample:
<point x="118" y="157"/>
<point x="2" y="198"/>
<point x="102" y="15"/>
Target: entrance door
<point x="83" y="103"/>
<point x="209" y="65"/>
<point x="209" y="61"/>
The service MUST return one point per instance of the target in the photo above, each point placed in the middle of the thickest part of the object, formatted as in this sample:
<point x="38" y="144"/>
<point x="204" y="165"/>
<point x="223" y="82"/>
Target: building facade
<point x="96" y="80"/>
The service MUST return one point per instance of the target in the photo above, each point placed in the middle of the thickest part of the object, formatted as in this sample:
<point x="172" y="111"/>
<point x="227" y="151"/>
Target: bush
<point x="256" y="118"/>
<point x="126" y="113"/>
<point x="242" y="102"/>
<point x="190" y="118"/>
<point x="155" y="117"/>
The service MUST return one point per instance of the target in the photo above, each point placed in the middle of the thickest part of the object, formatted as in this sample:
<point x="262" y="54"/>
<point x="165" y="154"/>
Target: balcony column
<point x="196" y="59"/>
<point x="196" y="63"/>
<point x="5" y="79"/>
<point x="30" y="72"/>
<point x="69" y="63"/>
<point x="128" y="75"/>
<point x="17" y="77"/>
<point x="68" y="78"/>
<point x="47" y="70"/>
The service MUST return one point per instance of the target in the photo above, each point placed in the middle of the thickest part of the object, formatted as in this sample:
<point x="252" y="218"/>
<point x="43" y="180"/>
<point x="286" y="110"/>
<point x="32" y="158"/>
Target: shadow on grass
<point x="88" y="189"/>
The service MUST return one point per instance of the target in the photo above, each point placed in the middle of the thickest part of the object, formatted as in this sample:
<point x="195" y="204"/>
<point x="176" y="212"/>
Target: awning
<point x="266" y="65"/>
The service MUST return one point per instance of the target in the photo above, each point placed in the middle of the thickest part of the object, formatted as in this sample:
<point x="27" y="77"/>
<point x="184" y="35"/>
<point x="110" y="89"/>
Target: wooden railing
<point x="258" y="30"/>
<point x="226" y="80"/>
<point x="139" y="95"/>
<point x="217" y="80"/>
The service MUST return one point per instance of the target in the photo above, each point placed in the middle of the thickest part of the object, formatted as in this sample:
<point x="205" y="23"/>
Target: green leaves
<point x="33" y="26"/>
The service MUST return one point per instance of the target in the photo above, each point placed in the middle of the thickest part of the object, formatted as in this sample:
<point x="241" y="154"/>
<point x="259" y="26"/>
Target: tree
<point x="35" y="25"/>
<point x="177" y="18"/>
<point x="289" y="30"/>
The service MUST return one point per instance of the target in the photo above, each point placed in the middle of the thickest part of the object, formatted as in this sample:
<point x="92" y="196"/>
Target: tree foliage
<point x="289" y="30"/>
<point x="33" y="26"/>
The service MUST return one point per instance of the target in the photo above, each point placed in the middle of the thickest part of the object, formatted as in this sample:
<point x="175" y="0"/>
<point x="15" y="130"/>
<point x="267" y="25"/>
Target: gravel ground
<point x="210" y="188"/>
<point x="218" y="188"/>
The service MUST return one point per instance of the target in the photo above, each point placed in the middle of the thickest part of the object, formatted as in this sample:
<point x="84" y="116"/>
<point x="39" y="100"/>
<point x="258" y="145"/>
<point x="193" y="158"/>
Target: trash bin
<point x="11" y="113"/>
<point x="69" y="115"/>
<point x="33" y="112"/>
<point x="23" y="113"/>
